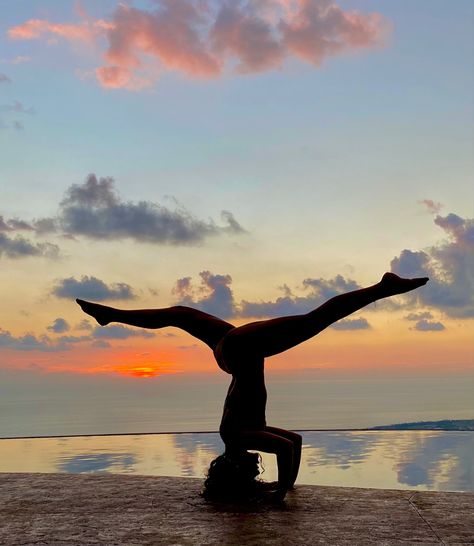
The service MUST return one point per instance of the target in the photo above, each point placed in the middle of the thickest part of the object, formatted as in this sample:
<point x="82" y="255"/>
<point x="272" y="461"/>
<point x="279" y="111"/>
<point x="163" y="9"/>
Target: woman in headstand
<point x="240" y="351"/>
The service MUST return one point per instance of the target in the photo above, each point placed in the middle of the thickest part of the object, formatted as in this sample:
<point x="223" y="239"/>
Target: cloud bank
<point x="19" y="247"/>
<point x="207" y="38"/>
<point x="215" y="296"/>
<point x="450" y="266"/>
<point x="29" y="342"/>
<point x="429" y="326"/>
<point x="91" y="288"/>
<point x="318" y="291"/>
<point x="218" y="298"/>
<point x="59" y="326"/>
<point x="120" y="332"/>
<point x="423" y="322"/>
<point x="95" y="210"/>
<point x="351" y="324"/>
<point x="98" y="338"/>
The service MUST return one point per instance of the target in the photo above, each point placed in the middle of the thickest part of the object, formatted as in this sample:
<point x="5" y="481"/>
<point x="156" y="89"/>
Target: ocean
<point x="39" y="404"/>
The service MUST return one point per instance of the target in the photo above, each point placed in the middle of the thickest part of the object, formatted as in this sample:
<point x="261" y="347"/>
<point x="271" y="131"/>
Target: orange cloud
<point x="204" y="38"/>
<point x="113" y="77"/>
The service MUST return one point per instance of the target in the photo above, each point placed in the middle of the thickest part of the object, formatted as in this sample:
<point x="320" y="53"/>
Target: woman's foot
<point x="101" y="313"/>
<point x="393" y="284"/>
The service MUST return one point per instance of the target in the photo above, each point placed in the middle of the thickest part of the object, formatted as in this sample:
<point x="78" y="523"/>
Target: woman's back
<point x="244" y="407"/>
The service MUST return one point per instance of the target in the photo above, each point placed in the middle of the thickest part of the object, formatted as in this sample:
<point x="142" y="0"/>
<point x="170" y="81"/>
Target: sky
<point x="248" y="158"/>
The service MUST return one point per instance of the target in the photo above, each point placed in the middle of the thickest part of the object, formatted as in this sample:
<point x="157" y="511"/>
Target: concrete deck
<point x="68" y="509"/>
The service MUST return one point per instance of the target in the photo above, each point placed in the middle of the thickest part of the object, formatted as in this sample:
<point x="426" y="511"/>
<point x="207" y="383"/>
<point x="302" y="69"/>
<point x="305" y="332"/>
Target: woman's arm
<point x="272" y="443"/>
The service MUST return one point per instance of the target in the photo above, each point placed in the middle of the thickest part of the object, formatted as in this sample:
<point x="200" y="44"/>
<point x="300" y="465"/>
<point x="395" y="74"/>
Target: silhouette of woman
<point x="240" y="351"/>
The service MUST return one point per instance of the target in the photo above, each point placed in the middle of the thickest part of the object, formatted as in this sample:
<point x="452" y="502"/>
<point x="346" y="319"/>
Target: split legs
<point x="203" y="326"/>
<point x="270" y="337"/>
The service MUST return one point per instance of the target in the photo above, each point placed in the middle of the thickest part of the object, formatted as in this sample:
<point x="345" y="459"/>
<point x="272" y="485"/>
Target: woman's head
<point x="232" y="476"/>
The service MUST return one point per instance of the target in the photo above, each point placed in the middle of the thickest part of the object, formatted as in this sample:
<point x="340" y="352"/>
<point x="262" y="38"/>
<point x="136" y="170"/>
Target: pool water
<point x="419" y="460"/>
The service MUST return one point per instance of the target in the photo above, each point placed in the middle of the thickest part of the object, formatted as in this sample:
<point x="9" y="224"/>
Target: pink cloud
<point x="171" y="35"/>
<point x="240" y="34"/>
<point x="319" y="29"/>
<point x="204" y="38"/>
<point x="37" y="28"/>
<point x="113" y="77"/>
<point x="433" y="207"/>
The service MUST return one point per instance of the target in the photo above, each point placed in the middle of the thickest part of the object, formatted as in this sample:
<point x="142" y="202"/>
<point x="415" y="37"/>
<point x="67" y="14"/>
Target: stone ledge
<point x="113" y="510"/>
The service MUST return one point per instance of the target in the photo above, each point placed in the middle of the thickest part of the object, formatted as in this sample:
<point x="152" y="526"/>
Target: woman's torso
<point x="244" y="407"/>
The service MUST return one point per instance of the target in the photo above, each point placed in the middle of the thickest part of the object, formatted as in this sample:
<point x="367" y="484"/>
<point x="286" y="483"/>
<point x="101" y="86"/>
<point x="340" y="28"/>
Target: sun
<point x="147" y="370"/>
<point x="141" y="371"/>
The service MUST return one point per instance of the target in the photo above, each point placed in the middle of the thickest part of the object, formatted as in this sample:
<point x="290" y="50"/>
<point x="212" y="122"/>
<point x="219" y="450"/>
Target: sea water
<point x="63" y="404"/>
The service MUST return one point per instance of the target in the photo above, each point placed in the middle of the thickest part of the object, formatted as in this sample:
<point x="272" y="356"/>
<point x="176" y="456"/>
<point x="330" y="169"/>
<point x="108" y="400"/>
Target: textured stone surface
<point x="67" y="509"/>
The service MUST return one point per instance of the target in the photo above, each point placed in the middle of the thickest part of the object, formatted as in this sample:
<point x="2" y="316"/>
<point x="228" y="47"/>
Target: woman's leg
<point x="270" y="337"/>
<point x="297" y="441"/>
<point x="203" y="326"/>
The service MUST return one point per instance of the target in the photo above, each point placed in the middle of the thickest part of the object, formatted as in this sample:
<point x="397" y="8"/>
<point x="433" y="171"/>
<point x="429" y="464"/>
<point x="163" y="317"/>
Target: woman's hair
<point x="232" y="477"/>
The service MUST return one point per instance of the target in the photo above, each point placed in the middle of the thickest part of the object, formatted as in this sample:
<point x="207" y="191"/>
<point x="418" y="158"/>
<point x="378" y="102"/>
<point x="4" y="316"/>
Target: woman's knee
<point x="293" y="437"/>
<point x="297" y="438"/>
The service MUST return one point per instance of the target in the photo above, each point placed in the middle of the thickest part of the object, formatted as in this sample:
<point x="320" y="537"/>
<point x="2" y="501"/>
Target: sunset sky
<point x="249" y="158"/>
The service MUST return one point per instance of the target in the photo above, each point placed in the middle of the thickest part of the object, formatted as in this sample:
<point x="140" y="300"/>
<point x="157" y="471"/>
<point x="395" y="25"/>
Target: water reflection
<point x="441" y="461"/>
<point x="429" y="460"/>
<point x="194" y="451"/>
<point x="96" y="462"/>
<point x="341" y="449"/>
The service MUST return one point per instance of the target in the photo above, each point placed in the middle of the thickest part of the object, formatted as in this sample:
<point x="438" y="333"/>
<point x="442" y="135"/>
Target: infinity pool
<point x="424" y="460"/>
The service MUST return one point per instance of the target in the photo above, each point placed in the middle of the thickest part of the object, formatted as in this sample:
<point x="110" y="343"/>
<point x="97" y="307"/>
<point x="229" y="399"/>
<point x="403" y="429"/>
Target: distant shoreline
<point x="446" y="424"/>
<point x="443" y="425"/>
